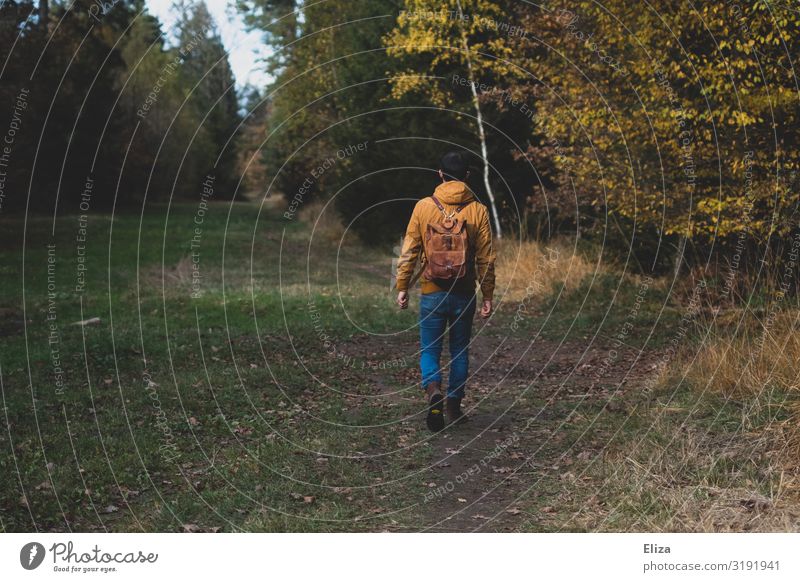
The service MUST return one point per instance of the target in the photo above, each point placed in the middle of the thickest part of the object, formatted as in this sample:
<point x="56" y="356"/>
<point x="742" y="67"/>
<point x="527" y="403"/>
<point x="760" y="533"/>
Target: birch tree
<point x="467" y="36"/>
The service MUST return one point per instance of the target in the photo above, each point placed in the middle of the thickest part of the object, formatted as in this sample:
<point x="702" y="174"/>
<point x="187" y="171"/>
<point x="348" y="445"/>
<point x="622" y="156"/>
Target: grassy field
<point x="250" y="372"/>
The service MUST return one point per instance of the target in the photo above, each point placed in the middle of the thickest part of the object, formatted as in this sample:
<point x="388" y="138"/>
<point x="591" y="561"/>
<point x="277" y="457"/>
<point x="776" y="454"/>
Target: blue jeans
<point x="436" y="311"/>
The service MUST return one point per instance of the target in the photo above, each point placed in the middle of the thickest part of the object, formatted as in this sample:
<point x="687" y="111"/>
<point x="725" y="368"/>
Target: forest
<point x="678" y="133"/>
<point x="197" y="272"/>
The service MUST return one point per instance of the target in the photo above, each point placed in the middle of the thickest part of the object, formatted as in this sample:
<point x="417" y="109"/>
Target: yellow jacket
<point x="451" y="195"/>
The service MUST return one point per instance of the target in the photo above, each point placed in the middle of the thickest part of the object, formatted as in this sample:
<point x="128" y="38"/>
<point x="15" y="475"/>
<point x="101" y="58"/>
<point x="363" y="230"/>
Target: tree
<point x="680" y="121"/>
<point x="83" y="112"/>
<point x="469" y="37"/>
<point x="205" y="65"/>
<point x="44" y="13"/>
<point x="69" y="128"/>
<point x="163" y="122"/>
<point x="250" y="163"/>
<point x="277" y="19"/>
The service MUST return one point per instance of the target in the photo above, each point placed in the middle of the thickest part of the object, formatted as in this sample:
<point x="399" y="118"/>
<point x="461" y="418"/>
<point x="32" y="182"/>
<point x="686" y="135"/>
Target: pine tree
<point x="206" y="71"/>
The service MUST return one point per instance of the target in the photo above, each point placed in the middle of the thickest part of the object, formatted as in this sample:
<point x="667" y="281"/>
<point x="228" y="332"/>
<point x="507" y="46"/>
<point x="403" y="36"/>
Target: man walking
<point x="450" y="233"/>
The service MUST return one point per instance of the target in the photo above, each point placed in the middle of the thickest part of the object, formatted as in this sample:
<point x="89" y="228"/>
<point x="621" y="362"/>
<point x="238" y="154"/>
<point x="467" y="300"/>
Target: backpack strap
<point x="456" y="211"/>
<point x="438" y="204"/>
<point x="463" y="206"/>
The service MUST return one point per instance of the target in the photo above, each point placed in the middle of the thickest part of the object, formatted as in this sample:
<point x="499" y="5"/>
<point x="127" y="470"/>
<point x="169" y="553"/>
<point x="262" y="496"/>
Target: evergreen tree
<point x="207" y="75"/>
<point x="251" y="166"/>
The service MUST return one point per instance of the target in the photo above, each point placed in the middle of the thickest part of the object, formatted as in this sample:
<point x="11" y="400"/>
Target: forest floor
<point x="263" y="380"/>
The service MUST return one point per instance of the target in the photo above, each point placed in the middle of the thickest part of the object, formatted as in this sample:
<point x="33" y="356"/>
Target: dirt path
<point x="514" y="450"/>
<point x="532" y="431"/>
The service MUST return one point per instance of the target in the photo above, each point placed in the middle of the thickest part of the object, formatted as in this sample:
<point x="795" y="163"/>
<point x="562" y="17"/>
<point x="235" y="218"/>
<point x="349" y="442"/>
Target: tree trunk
<point x="481" y="133"/>
<point x="679" y="258"/>
<point x="44" y="13"/>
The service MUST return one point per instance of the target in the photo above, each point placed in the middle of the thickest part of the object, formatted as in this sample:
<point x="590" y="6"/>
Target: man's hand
<point x="402" y="299"/>
<point x="486" y="309"/>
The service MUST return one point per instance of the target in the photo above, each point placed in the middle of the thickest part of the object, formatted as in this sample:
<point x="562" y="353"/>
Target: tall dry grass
<point x="532" y="270"/>
<point x="759" y="366"/>
<point x="702" y="482"/>
<point x="323" y="220"/>
<point x="761" y="356"/>
<point x="740" y="479"/>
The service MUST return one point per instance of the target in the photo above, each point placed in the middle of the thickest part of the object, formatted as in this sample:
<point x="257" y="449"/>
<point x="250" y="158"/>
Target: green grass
<point x="254" y="405"/>
<point x="604" y="303"/>
<point x="185" y="410"/>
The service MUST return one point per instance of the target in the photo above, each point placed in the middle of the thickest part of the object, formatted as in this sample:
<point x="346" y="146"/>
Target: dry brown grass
<point x="171" y="277"/>
<point x="761" y="357"/>
<point x="532" y="270"/>
<point x="760" y="366"/>
<point x="323" y="220"/>
<point x="701" y="482"/>
<point x="674" y="475"/>
<point x="741" y="479"/>
<point x="720" y="458"/>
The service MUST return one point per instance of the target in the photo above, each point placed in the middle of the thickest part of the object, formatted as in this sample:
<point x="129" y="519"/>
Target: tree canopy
<point x="111" y="100"/>
<point x="619" y="121"/>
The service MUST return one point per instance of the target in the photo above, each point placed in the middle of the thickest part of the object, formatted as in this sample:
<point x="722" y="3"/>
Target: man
<point x="449" y="302"/>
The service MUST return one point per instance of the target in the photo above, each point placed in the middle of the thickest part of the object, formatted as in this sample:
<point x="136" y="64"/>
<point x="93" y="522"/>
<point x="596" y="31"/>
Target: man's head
<point x="453" y="166"/>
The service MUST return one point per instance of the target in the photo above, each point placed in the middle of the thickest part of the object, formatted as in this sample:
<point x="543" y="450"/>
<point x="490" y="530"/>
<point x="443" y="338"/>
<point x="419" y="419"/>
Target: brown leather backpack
<point x="447" y="249"/>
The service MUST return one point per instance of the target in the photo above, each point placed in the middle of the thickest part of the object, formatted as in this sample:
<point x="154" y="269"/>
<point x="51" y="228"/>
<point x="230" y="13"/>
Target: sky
<point x="245" y="48"/>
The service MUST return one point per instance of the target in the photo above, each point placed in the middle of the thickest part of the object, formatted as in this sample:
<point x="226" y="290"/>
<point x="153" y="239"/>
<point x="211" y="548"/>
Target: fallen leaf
<point x="757" y="503"/>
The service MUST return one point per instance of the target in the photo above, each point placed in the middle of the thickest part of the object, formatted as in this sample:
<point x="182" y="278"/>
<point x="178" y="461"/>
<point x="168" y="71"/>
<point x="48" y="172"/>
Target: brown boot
<point x="435" y="418"/>
<point x="454" y="412"/>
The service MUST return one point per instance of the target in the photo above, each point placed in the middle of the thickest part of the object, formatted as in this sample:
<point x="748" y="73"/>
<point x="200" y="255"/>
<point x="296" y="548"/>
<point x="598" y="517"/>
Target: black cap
<point x="454" y="166"/>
